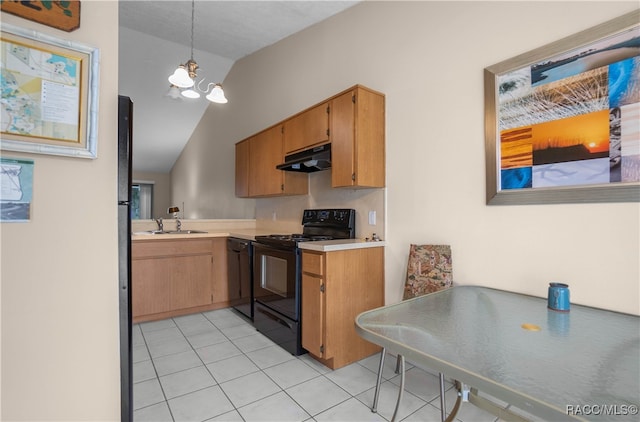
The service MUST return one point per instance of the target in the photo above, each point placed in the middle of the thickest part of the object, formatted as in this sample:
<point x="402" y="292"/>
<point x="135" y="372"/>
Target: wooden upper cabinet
<point x="353" y="121"/>
<point x="307" y="129"/>
<point x="357" y="126"/>
<point x="265" y="153"/>
<point x="242" y="169"/>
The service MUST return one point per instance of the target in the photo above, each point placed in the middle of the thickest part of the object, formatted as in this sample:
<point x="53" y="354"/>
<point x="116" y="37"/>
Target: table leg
<point x="374" y="407"/>
<point x="443" y="406"/>
<point x="395" y="412"/>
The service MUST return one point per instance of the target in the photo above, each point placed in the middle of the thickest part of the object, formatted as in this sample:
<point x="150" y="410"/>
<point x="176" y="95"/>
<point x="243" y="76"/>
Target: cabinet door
<point x="343" y="140"/>
<point x="265" y="153"/>
<point x="242" y="169"/>
<point x="308" y="128"/>
<point x="357" y="139"/>
<point x="312" y="314"/>
<point x="190" y="281"/>
<point x="150" y="286"/>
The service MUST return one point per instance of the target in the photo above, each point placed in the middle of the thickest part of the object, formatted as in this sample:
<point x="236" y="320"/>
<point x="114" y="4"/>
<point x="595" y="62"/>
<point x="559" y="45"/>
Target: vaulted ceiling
<point x="155" y="36"/>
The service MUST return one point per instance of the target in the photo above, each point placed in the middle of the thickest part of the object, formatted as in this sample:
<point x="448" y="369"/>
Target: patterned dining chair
<point x="429" y="270"/>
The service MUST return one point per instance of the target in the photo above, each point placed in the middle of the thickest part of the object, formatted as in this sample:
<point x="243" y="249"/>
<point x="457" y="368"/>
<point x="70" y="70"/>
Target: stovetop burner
<point x="317" y="225"/>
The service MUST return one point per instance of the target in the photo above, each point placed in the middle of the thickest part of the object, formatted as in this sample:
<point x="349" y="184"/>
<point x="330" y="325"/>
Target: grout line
<point x="208" y="319"/>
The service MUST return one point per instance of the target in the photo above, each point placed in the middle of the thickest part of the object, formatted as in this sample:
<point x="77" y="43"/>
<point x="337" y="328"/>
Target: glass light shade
<point x="180" y="78"/>
<point x="173" y="93"/>
<point x="190" y="93"/>
<point x="217" y="95"/>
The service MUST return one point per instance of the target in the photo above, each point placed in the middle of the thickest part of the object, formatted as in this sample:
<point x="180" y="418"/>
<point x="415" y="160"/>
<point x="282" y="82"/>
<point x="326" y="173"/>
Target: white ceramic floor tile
<point x="353" y="378"/>
<point x="252" y="342"/>
<point x="176" y="362"/>
<point x="426" y="413"/>
<point x="228" y="320"/>
<point x="143" y="371"/>
<point x="165" y="348"/>
<point x="228" y="369"/>
<point x="249" y="388"/>
<point x="317" y="395"/>
<point x="206" y="338"/>
<point x="137" y="339"/>
<point x="278" y="407"/>
<point x="193" y="353"/>
<point x="187" y="381"/>
<point x="388" y="398"/>
<point x="373" y="362"/>
<point x="147" y="327"/>
<point x="146" y="393"/>
<point x="140" y="353"/>
<point x="309" y="360"/>
<point x="200" y="405"/>
<point x="163" y="335"/>
<point x="155" y="413"/>
<point x="291" y="373"/>
<point x="216" y="352"/>
<point x="270" y="356"/>
<point x="349" y="410"/>
<point x="232" y="416"/>
<point x="422" y="384"/>
<point x="238" y="331"/>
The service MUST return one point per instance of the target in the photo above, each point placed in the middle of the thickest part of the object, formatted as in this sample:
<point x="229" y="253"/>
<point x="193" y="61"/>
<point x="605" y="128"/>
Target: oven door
<point x="275" y="279"/>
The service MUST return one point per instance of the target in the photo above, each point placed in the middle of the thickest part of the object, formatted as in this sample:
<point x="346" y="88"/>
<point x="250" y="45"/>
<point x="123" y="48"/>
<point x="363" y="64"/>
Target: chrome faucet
<point x="159" y="223"/>
<point x="174" y="211"/>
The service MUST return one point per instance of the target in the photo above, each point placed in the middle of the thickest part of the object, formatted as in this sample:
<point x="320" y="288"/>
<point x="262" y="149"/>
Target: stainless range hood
<point x="307" y="161"/>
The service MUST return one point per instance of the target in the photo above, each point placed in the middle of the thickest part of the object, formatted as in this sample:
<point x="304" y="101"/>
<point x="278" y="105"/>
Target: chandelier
<point x="183" y="79"/>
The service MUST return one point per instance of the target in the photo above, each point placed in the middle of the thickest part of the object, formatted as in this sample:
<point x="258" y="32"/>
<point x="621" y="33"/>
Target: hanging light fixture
<point x="183" y="79"/>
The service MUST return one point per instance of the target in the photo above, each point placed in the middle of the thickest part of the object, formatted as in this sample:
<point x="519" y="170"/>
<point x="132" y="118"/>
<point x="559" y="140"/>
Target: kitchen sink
<point x="170" y="232"/>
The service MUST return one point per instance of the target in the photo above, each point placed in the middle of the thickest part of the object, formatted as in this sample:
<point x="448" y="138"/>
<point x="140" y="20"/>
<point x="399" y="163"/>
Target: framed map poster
<point x="49" y="94"/>
<point x="562" y="122"/>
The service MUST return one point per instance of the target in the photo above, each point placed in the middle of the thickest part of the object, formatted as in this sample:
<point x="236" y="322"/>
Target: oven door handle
<point x="274" y="318"/>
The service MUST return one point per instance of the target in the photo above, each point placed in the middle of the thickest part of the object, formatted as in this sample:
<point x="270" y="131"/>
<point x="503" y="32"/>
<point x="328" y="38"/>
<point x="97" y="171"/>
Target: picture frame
<point x="561" y="121"/>
<point x="49" y="101"/>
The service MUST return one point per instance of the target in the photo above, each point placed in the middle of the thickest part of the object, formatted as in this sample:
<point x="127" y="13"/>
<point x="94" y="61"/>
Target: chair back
<point x="429" y="270"/>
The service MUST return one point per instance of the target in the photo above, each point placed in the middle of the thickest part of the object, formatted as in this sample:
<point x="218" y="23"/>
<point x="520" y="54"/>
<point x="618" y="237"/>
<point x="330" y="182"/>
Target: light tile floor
<point x="214" y="366"/>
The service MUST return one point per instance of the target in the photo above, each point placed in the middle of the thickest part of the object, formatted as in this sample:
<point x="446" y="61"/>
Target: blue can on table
<point x="558" y="297"/>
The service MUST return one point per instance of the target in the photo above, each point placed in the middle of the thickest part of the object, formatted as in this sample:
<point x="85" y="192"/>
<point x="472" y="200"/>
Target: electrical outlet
<point x="273" y="216"/>
<point x="372" y="218"/>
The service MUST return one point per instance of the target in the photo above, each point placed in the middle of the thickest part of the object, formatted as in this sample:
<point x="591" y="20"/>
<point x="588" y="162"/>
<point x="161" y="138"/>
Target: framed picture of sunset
<point x="562" y="122"/>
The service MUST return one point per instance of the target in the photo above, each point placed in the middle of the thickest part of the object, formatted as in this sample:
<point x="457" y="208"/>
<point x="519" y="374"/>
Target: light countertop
<point x="339" y="245"/>
<point x="250" y="234"/>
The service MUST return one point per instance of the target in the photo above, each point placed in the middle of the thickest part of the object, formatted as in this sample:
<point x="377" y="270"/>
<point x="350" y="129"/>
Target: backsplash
<point x="284" y="214"/>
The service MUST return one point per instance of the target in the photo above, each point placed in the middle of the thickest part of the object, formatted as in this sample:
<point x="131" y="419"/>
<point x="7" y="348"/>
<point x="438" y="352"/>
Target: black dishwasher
<point x="240" y="275"/>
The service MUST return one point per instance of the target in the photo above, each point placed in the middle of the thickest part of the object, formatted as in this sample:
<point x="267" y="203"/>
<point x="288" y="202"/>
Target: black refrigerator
<point x="125" y="126"/>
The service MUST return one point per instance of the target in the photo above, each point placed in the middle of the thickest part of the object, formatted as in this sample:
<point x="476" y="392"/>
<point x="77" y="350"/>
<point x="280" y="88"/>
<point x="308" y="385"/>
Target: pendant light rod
<point x="183" y="80"/>
<point x="193" y="4"/>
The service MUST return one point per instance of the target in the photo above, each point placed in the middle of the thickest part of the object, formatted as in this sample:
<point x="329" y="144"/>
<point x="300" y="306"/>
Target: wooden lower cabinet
<point x="336" y="287"/>
<point x="171" y="277"/>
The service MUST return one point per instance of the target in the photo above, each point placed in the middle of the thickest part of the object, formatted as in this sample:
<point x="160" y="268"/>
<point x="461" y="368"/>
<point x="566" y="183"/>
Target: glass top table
<point x="576" y="365"/>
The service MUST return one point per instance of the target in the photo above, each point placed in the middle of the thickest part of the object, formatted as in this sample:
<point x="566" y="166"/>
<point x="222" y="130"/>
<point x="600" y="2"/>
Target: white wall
<point x="60" y="356"/>
<point x="428" y="58"/>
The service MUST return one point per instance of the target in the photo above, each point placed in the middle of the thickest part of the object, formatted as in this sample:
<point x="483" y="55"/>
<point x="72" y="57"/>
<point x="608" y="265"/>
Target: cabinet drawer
<point x="313" y="263"/>
<point x="170" y="247"/>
